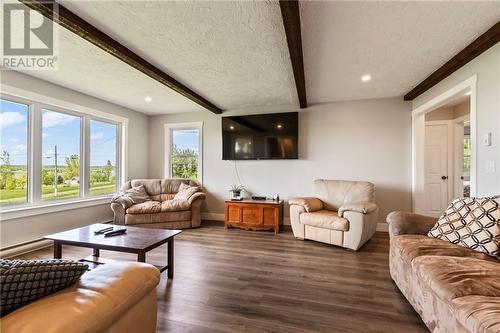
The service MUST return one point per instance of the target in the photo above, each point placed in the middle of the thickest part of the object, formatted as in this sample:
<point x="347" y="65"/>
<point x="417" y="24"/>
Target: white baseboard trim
<point x="384" y="227"/>
<point x="286" y="220"/>
<point x="25" y="248"/>
<point x="212" y="216"/>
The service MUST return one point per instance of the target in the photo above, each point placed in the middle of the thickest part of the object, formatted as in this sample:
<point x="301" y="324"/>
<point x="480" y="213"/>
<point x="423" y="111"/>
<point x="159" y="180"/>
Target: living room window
<point x="54" y="155"/>
<point x="103" y="147"/>
<point x="13" y="152"/>
<point x="61" y="151"/>
<point x="184" y="155"/>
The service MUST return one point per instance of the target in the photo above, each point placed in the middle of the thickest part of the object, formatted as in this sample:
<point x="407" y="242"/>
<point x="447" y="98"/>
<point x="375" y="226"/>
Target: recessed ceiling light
<point x="148" y="99"/>
<point x="279" y="126"/>
<point x="467" y="93"/>
<point x="366" y="78"/>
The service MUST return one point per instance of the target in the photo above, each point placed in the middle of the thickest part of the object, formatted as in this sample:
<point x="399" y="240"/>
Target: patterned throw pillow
<point x="23" y="281"/>
<point x="185" y="192"/>
<point x="472" y="223"/>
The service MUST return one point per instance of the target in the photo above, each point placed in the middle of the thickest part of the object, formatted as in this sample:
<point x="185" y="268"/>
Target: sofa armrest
<point x="310" y="204"/>
<point x="401" y="223"/>
<point x="196" y="196"/>
<point x="360" y="207"/>
<point x="119" y="213"/>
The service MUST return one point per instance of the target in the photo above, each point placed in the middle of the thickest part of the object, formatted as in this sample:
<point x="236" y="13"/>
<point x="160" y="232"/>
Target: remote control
<point x="98" y="232"/>
<point x="115" y="232"/>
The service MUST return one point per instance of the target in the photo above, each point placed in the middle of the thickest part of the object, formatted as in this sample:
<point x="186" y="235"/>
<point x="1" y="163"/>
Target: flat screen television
<point x="271" y="136"/>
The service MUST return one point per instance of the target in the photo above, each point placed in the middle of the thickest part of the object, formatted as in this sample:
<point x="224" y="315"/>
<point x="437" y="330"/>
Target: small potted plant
<point x="236" y="191"/>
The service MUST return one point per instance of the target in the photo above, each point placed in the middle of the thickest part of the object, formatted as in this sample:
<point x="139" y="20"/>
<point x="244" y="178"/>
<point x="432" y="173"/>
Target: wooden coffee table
<point x="136" y="240"/>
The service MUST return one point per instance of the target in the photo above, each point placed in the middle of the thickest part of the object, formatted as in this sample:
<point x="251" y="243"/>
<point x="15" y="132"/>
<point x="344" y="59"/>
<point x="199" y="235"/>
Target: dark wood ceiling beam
<point x="474" y="49"/>
<point x="291" y="21"/>
<point x="85" y="30"/>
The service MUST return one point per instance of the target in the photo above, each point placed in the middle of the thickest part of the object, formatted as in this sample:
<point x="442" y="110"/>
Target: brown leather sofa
<point x="453" y="288"/>
<point x="114" y="298"/>
<point x="343" y="213"/>
<point x="161" y="211"/>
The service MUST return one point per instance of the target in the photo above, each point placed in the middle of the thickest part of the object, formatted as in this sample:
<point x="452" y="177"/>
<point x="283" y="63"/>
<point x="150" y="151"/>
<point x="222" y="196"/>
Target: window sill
<point x="33" y="210"/>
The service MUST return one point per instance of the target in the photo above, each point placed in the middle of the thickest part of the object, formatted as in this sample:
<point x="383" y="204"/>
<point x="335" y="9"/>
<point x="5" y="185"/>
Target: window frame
<point x="168" y="140"/>
<point x="36" y="104"/>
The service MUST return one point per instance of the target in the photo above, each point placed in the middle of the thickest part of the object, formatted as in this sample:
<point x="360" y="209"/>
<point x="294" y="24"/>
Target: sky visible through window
<point x="62" y="130"/>
<point x="186" y="139"/>
<point x="14" y="131"/>
<point x="102" y="143"/>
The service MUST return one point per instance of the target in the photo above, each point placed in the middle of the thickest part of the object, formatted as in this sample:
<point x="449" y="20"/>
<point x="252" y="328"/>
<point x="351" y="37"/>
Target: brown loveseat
<point x="115" y="297"/>
<point x="161" y="211"/>
<point x="453" y="288"/>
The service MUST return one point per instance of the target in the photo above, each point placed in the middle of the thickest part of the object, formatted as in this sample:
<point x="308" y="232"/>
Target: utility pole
<point x="55" y="172"/>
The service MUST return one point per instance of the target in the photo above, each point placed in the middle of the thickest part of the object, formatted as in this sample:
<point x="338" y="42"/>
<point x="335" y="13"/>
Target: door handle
<point x="444" y="177"/>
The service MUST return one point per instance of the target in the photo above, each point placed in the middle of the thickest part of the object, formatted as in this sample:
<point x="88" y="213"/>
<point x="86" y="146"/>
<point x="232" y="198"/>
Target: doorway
<point x="444" y="150"/>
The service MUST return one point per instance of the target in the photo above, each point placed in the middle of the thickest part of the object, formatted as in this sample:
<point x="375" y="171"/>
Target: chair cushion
<point x="325" y="219"/>
<point x="335" y="193"/>
<point x="148" y="207"/>
<point x="453" y="277"/>
<point x="409" y="247"/>
<point x="478" y="313"/>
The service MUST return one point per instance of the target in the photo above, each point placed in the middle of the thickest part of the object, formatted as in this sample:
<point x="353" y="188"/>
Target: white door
<point x="436" y="169"/>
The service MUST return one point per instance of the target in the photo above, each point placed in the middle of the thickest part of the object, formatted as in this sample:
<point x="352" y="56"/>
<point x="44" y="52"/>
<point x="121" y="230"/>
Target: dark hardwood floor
<point x="248" y="281"/>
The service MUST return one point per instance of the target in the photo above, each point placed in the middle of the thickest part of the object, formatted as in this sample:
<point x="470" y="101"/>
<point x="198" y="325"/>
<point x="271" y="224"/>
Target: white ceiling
<point x="398" y="43"/>
<point x="235" y="53"/>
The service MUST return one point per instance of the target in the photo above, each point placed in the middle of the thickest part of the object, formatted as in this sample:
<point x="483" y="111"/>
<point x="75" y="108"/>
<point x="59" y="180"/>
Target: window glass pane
<point x="184" y="155"/>
<point x="60" y="155"/>
<point x="103" y="170"/>
<point x="13" y="153"/>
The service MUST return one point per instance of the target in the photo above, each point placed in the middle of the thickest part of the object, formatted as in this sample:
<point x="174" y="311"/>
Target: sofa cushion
<point x="148" y="207"/>
<point x="409" y="247"/>
<point x="171" y="186"/>
<point x="183" y="215"/>
<point x="24" y="281"/>
<point x="325" y="219"/>
<point x="478" y="313"/>
<point x="90" y="305"/>
<point x="472" y="223"/>
<point x="152" y="186"/>
<point x="175" y="205"/>
<point x="453" y="277"/>
<point x="186" y="191"/>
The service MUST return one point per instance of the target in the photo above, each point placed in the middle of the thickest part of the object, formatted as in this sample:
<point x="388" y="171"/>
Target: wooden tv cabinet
<point x="254" y="214"/>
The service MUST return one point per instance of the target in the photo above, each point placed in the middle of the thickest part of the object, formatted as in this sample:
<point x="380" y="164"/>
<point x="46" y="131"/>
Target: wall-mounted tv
<point x="260" y="137"/>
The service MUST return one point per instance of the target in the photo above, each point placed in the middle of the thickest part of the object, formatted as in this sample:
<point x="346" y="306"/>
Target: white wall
<point x="487" y="68"/>
<point x="22" y="230"/>
<point x="358" y="140"/>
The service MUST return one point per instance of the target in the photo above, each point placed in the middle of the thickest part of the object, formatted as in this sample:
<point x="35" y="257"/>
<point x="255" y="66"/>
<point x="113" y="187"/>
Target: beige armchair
<point x="343" y="213"/>
<point x="161" y="211"/>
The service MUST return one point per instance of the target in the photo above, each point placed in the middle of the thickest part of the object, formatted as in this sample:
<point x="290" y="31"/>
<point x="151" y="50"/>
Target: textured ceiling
<point x="232" y="53"/>
<point x="235" y="53"/>
<point x="398" y="43"/>
<point x="88" y="69"/>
